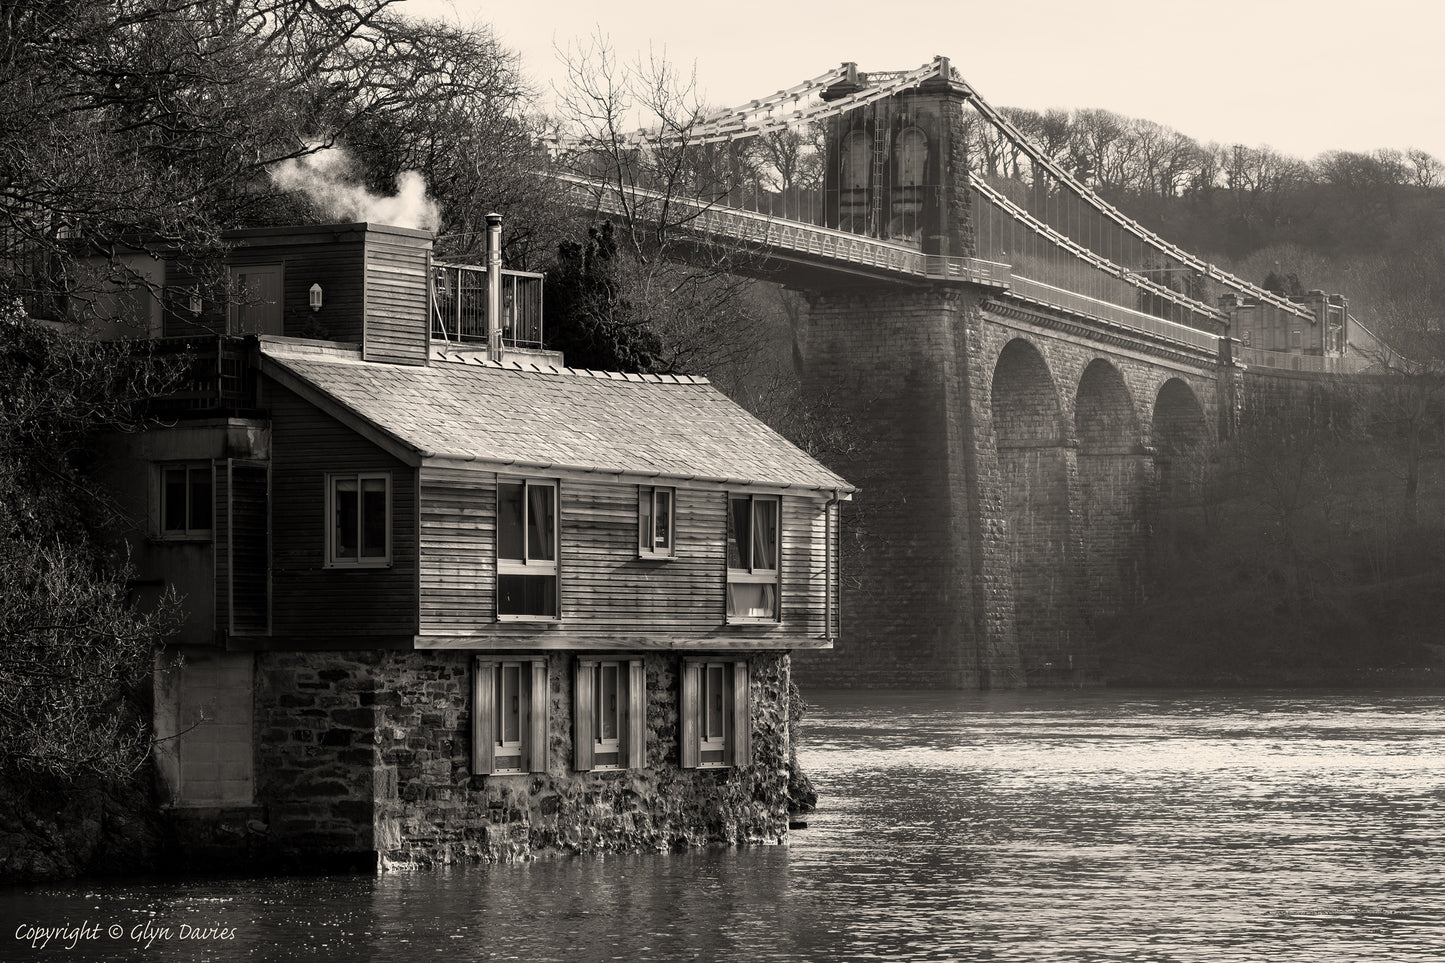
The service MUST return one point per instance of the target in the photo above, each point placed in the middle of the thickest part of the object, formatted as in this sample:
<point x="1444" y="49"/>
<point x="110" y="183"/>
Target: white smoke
<point x="325" y="177"/>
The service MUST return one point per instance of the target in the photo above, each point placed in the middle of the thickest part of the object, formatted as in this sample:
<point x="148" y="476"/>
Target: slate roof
<point x="514" y="414"/>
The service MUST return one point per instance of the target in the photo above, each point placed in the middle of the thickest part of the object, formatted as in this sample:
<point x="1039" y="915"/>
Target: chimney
<point x="494" y="287"/>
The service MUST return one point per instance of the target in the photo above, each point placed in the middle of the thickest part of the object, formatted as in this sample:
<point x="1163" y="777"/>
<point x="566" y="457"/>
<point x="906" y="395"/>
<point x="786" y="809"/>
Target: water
<point x="1081" y="826"/>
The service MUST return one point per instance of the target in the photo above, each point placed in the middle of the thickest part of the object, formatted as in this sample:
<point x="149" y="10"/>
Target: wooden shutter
<point x="740" y="743"/>
<point x="691" y="686"/>
<point x="634" y="746"/>
<point x="248" y="542"/>
<point x="536" y="747"/>
<point x="484" y="687"/>
<point x="582" y="715"/>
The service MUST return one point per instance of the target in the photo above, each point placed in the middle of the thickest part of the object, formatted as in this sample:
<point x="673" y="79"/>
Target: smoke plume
<point x="325" y="177"/>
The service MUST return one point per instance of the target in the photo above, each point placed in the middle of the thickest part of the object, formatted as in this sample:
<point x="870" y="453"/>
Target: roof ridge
<point x="532" y="366"/>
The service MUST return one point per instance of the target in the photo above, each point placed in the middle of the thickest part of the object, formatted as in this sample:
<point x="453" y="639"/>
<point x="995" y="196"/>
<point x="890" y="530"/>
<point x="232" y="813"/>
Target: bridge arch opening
<point x="1034" y="471"/>
<point x="1113" y="479"/>
<point x="1181" y="440"/>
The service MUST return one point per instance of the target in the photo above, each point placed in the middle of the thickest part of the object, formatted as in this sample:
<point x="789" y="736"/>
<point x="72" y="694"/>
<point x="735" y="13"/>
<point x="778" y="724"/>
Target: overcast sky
<point x="1302" y="77"/>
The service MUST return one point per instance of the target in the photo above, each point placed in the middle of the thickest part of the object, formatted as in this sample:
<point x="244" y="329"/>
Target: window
<point x="509" y="716"/>
<point x="716" y="725"/>
<point x="752" y="547"/>
<point x="527" y="550"/>
<point x="256" y="299"/>
<point x="654" y="521"/>
<point x="358" y="509"/>
<point x="609" y="715"/>
<point x="186" y="502"/>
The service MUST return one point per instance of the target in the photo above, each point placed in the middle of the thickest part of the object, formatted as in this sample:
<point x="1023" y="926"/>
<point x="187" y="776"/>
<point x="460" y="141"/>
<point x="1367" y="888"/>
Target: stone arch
<point x="1179" y="433"/>
<point x="1112" y="481"/>
<point x="1035" y="467"/>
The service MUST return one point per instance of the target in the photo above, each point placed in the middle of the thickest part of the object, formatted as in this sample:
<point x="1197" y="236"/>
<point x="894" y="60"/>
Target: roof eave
<point x="837" y="487"/>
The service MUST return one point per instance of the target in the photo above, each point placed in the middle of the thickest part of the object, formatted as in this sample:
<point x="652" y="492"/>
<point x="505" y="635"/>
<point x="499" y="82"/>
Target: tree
<point x="689" y="289"/>
<point x="136" y="124"/>
<point x="150" y="126"/>
<point x="73" y="648"/>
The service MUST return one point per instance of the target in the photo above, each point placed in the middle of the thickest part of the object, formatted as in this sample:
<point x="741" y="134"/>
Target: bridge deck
<point x="822" y="244"/>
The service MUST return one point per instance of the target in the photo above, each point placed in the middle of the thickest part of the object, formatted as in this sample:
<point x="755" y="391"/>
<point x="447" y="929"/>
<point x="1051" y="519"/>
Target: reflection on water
<point x="1093" y="825"/>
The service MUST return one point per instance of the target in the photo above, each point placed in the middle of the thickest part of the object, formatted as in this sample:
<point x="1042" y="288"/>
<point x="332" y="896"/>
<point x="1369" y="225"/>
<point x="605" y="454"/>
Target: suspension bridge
<point x="1031" y="373"/>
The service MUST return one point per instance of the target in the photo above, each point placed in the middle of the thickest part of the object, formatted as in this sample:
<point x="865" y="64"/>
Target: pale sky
<point x="1302" y="77"/>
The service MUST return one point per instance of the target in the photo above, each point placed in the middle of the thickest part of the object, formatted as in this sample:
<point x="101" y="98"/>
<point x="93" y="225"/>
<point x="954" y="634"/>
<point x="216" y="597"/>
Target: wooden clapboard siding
<point x="221" y="540"/>
<point x="309" y="598"/>
<point x="398" y="324"/>
<point x="803" y="557"/>
<point x="330" y="257"/>
<point x="610" y="598"/>
<point x="250" y="548"/>
<point x="458" y="548"/>
<point x="176" y="318"/>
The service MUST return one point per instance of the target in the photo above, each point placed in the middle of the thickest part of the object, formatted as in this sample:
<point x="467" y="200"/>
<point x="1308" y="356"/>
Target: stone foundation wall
<point x="365" y="759"/>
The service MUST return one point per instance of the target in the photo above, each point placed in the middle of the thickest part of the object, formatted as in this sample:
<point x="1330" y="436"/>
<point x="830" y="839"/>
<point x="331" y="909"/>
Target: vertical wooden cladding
<point x="398" y="323"/>
<point x="607" y="591"/>
<point x="309" y="598"/>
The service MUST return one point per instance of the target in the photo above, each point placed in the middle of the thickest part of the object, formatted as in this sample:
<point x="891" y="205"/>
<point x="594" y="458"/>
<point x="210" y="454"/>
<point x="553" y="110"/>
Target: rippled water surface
<point x="1004" y="826"/>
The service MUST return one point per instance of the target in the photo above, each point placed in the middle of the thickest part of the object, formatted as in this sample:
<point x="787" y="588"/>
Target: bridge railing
<point x="1027" y="289"/>
<point x="1314" y="363"/>
<point x="793" y="237"/>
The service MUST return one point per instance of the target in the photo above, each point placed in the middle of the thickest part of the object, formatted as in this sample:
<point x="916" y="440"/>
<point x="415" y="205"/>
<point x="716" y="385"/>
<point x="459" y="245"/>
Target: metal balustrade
<point x="459" y="305"/>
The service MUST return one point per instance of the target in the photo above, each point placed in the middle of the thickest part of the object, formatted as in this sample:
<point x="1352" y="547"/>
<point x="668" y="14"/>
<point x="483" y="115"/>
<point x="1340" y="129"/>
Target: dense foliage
<point x="73" y="648"/>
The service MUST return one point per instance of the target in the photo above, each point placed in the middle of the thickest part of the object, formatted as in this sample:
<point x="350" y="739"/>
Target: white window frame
<point x="751" y="574"/>
<point x="492" y="753"/>
<point x="647" y="515"/>
<point x="602" y="744"/>
<point x="528" y="565"/>
<point x="507" y="754"/>
<point x="185" y="533"/>
<point x="360" y="477"/>
<point x="701" y="747"/>
<point x="628" y="749"/>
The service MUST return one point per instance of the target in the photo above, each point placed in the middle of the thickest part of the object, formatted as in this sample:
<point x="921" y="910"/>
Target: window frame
<point x="161" y="501"/>
<point x="647" y="515"/>
<point x="526" y="565"/>
<point x="752" y="574"/>
<point x="330" y="521"/>
<point x="488" y="676"/>
<point x="588" y="696"/>
<point x="732" y="748"/>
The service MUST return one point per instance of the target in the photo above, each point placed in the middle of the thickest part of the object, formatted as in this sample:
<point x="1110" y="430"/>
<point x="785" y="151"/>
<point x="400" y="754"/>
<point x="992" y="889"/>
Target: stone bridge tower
<point x="1008" y="455"/>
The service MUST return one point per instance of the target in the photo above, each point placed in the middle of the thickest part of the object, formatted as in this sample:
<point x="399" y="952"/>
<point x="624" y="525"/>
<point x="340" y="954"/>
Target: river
<point x="1083" y="825"/>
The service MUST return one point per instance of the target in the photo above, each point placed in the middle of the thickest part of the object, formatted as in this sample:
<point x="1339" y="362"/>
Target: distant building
<point x="1317" y="334"/>
<point x="446" y="598"/>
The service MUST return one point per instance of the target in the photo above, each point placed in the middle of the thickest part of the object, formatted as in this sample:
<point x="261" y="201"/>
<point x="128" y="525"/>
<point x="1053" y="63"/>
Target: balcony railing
<point x="205" y="376"/>
<point x="459" y="305"/>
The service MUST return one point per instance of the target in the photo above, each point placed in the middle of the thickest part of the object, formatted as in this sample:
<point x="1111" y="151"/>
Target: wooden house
<point x="448" y="598"/>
